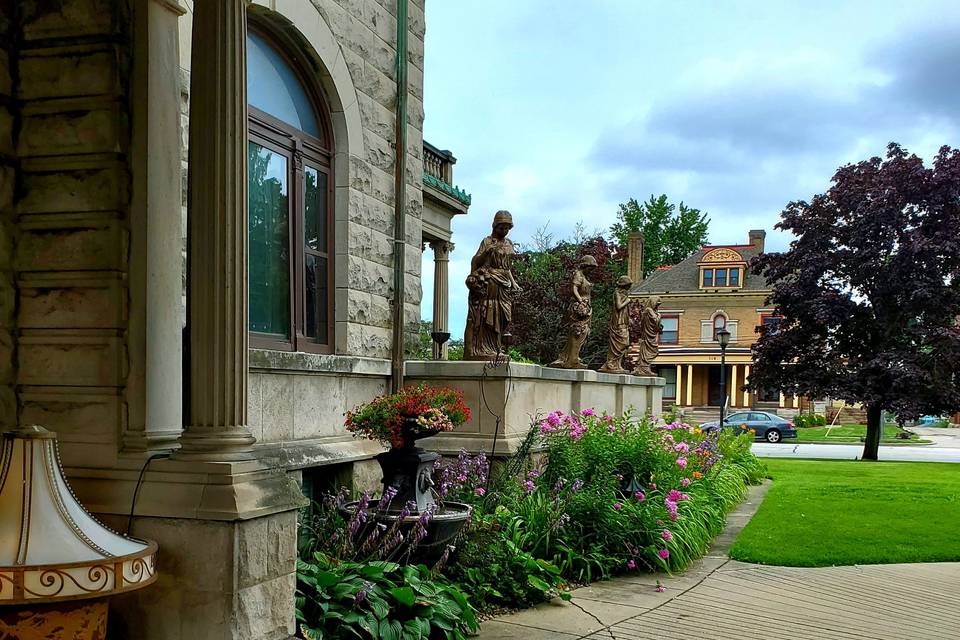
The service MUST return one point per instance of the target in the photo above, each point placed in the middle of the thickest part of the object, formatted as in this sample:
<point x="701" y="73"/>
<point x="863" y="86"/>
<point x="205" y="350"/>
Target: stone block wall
<point x="364" y="37"/>
<point x="8" y="229"/>
<point x="71" y="221"/>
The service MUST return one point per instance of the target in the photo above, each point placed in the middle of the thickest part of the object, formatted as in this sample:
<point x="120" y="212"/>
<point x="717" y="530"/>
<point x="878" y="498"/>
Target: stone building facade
<point x="105" y="105"/>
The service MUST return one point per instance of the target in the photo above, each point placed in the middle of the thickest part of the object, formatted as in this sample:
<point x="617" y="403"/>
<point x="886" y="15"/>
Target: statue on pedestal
<point x="578" y="315"/>
<point x="649" y="344"/>
<point x="619" y="327"/>
<point x="492" y="291"/>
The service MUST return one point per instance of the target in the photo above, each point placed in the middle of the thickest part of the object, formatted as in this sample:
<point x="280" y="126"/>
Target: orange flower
<point x="697" y="475"/>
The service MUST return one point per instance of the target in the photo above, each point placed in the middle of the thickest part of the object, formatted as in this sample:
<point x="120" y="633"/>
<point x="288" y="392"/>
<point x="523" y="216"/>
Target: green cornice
<point x="452" y="191"/>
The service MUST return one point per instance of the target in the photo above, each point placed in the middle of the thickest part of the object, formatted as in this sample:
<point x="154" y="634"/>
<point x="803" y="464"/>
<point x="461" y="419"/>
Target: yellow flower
<point x="697" y="431"/>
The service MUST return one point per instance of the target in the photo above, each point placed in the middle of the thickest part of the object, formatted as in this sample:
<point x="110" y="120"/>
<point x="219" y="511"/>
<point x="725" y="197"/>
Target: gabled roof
<point x="685" y="277"/>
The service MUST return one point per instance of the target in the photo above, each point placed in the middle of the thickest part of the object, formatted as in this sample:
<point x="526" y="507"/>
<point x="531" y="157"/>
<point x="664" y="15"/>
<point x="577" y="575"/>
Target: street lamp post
<point x="723" y="337"/>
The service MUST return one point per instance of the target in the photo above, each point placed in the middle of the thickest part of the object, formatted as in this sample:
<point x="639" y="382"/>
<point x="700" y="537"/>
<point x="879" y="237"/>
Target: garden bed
<point x="603" y="496"/>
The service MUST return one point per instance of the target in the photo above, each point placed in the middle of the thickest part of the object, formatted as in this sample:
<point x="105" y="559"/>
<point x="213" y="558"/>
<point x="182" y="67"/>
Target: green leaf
<point x="380" y="608"/>
<point x="566" y="596"/>
<point x="388" y="631"/>
<point x="538" y="583"/>
<point x="404" y="595"/>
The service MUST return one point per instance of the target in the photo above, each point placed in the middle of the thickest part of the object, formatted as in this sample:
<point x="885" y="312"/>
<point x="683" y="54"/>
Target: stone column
<point x="635" y="247"/>
<point x="783" y="400"/>
<point x="689" y="385"/>
<point x="216" y="428"/>
<point x="441" y="292"/>
<point x="733" y="385"/>
<point x="746" y="379"/>
<point x="796" y="402"/>
<point x="678" y="397"/>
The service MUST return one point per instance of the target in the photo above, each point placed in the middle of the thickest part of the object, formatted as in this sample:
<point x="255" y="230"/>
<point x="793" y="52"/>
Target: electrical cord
<point x="501" y="359"/>
<point x="136" y="491"/>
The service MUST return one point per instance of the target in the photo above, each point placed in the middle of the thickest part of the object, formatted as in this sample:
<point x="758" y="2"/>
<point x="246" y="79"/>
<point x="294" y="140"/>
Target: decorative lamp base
<point x="78" y="620"/>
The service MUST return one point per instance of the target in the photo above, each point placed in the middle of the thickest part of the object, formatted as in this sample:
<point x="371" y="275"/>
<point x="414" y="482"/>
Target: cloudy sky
<point x="559" y="110"/>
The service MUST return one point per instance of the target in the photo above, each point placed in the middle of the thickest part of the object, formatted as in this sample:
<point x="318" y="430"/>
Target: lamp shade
<point x="51" y="548"/>
<point x="723" y="337"/>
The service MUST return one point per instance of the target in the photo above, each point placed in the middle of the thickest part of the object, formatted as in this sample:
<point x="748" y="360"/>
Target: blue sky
<point x="559" y="110"/>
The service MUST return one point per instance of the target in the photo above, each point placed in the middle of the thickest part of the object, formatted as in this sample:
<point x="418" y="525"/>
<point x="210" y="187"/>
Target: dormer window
<point x="722" y="268"/>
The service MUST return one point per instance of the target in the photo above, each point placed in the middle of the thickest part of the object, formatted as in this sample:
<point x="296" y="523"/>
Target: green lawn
<point x="824" y="513"/>
<point x="852" y="433"/>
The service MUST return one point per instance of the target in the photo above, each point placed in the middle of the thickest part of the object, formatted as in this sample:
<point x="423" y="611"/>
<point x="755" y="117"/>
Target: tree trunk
<point x="871" y="446"/>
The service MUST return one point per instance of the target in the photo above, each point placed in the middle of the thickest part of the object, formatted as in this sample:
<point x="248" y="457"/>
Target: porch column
<point x="796" y="401"/>
<point x="689" y="385"/>
<point x="441" y="292"/>
<point x="217" y="242"/>
<point x="783" y="400"/>
<point x="746" y="379"/>
<point x="733" y="385"/>
<point x="678" y="394"/>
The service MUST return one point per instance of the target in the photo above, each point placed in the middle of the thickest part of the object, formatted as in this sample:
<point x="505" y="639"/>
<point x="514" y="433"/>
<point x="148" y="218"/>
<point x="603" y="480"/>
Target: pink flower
<point x="631" y="564"/>
<point x="674" y="496"/>
<point x="617" y="506"/>
<point x="664" y="553"/>
<point x="479" y="491"/>
<point x="587" y="412"/>
<point x="681" y="447"/>
<point x="611" y="429"/>
<point x="682" y="463"/>
<point x="666" y="535"/>
<point x="639" y="496"/>
<point x="685" y="482"/>
<point x="529" y="486"/>
<point x="660" y="588"/>
<point x="653" y="485"/>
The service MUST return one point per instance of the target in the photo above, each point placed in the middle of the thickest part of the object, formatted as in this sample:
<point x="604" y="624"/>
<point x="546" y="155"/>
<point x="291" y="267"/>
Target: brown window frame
<point x="300" y="149"/>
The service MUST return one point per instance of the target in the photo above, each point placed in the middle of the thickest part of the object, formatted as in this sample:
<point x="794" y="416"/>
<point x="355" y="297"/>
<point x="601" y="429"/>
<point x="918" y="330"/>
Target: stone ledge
<point x="515" y="370"/>
<point x="299" y="362"/>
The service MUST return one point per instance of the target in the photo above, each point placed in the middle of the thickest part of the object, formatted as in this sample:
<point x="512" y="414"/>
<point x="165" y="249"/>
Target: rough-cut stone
<point x="71" y="248"/>
<point x="69" y="18"/>
<point x="77" y="131"/>
<point x="86" y="73"/>
<point x="93" y="189"/>
<point x="47" y="306"/>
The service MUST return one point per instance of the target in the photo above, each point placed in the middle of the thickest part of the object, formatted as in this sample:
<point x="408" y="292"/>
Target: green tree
<point x="671" y="233"/>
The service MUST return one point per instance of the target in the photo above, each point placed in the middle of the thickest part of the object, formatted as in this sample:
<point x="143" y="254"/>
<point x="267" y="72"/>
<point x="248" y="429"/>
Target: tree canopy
<point x="869" y="291"/>
<point x="671" y="233"/>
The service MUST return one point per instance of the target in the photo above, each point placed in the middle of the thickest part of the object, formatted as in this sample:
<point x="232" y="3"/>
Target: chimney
<point x="635" y="257"/>
<point x="756" y="238"/>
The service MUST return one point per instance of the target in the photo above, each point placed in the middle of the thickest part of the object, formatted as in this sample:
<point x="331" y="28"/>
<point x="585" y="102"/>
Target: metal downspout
<point x="400" y="198"/>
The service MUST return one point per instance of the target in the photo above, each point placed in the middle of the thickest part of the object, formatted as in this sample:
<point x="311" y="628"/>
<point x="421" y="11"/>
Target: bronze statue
<point x="649" y="336"/>
<point x="619" y="327"/>
<point x="492" y="291"/>
<point x="578" y="315"/>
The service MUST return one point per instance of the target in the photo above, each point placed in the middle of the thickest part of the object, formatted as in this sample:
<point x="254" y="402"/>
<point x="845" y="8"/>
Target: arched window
<point x="290" y="169"/>
<point x="719" y="322"/>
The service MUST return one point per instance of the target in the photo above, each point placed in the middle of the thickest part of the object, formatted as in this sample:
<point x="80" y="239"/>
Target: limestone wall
<point x="72" y="215"/>
<point x="8" y="231"/>
<point x="353" y="45"/>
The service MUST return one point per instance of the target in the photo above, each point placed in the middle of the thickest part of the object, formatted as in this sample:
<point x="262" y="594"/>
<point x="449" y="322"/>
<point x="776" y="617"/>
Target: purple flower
<point x="587" y="412"/>
<point x="682" y="462"/>
<point x="685" y="482"/>
<point x="681" y="447"/>
<point x="674" y="496"/>
<point x="479" y="491"/>
<point x="666" y="535"/>
<point x="529" y="487"/>
<point x="576" y="486"/>
<point x="664" y="553"/>
<point x="631" y="565"/>
<point x="660" y="588"/>
<point x="617" y="506"/>
<point x="388" y="495"/>
<point x="639" y="496"/>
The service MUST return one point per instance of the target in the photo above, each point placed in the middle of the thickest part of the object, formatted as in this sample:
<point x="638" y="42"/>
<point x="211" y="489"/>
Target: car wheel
<point x="772" y="436"/>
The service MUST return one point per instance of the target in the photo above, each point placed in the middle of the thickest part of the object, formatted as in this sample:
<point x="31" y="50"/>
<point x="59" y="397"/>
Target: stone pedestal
<point x="519" y="392"/>
<point x="218" y="581"/>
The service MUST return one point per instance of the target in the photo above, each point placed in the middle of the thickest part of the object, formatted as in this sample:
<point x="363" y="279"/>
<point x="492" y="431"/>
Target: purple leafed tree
<point x="869" y="291"/>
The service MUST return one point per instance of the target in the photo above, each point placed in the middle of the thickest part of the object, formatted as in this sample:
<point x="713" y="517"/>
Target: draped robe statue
<point x="619" y="327"/>
<point x="578" y="316"/>
<point x="649" y="336"/>
<point x="492" y="291"/>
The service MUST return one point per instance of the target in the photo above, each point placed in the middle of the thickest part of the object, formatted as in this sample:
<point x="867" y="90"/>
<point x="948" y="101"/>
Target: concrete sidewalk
<point x="723" y="599"/>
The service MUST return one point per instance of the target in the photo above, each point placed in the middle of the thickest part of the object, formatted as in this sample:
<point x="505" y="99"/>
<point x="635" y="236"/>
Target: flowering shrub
<point x="384" y="417"/>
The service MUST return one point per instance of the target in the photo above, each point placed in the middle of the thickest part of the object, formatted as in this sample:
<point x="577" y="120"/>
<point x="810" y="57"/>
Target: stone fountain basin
<point x="441" y="531"/>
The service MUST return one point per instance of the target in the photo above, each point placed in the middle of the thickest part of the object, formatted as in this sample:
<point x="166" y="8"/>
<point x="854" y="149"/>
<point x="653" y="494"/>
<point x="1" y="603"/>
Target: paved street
<point x="721" y="599"/>
<point x="925" y="453"/>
